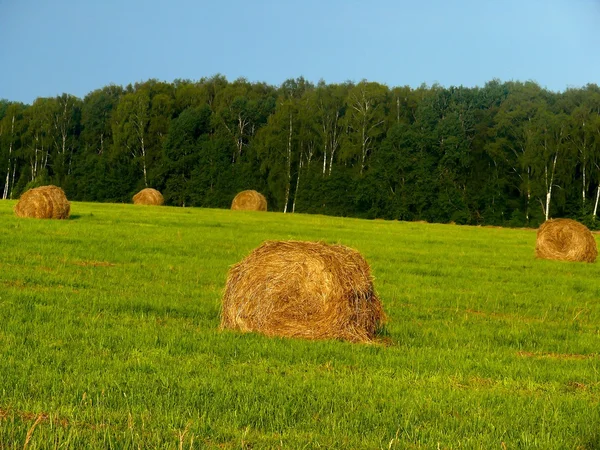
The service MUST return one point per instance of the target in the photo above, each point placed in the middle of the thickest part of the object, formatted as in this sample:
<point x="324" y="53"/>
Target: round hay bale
<point x="148" y="196"/>
<point x="309" y="290"/>
<point x="565" y="240"/>
<point x="249" y="201"/>
<point x="44" y="202"/>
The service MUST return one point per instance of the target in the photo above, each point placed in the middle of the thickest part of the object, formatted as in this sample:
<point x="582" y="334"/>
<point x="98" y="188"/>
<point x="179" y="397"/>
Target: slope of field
<point x="109" y="339"/>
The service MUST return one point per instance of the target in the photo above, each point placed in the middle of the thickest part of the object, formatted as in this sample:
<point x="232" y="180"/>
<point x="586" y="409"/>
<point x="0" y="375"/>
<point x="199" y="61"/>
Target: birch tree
<point x="183" y="149"/>
<point x="328" y="104"/>
<point x="275" y="150"/>
<point x="547" y="156"/>
<point x="307" y="139"/>
<point x="512" y="138"/>
<point x="583" y="125"/>
<point x="365" y="118"/>
<point x="96" y="111"/>
<point x="37" y="137"/>
<point x="65" y="117"/>
<point x="9" y="127"/>
<point x="584" y="134"/>
<point x="130" y="128"/>
<point x="241" y="108"/>
<point x="279" y="142"/>
<point x="234" y="115"/>
<point x="595" y="151"/>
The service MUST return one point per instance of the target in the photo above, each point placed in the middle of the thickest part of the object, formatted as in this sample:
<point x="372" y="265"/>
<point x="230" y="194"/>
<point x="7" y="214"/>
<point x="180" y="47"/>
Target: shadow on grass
<point x="79" y="216"/>
<point x="383" y="337"/>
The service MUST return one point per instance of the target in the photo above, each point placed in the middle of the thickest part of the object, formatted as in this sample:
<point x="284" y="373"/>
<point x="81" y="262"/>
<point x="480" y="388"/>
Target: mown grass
<point x="109" y="339"/>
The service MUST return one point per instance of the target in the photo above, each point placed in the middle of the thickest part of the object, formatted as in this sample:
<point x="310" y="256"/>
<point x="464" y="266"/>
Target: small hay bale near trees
<point x="309" y="290"/>
<point x="250" y="201"/>
<point x="44" y="202"/>
<point x="148" y="196"/>
<point x="565" y="240"/>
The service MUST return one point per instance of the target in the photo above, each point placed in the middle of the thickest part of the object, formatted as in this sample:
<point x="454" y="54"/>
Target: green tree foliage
<point x="364" y="120"/>
<point x="183" y="148"/>
<point x="507" y="153"/>
<point x="95" y="142"/>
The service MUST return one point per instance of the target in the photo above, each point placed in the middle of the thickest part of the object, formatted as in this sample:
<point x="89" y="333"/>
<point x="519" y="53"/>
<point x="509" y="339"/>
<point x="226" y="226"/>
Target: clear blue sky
<point x="48" y="47"/>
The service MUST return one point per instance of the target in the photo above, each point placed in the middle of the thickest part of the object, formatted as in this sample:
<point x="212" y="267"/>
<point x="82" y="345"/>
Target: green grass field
<point x="109" y="338"/>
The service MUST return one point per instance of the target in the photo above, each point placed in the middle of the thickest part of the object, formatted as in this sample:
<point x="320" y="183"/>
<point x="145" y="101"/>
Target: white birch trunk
<point x="330" y="138"/>
<point x="12" y="182"/>
<point x="289" y="168"/>
<point x="45" y="158"/>
<point x="62" y="124"/>
<point x="12" y="130"/>
<point x="596" y="204"/>
<point x="242" y="124"/>
<point x="325" y="138"/>
<point x="528" y="197"/>
<point x="583" y="183"/>
<point x="545" y="207"/>
<point x="331" y="162"/>
<point x="34" y="163"/>
<point x="583" y="165"/>
<point x="297" y="183"/>
<point x="311" y="151"/>
<point x="363" y="143"/>
<point x="140" y="119"/>
<point x="143" y="148"/>
<point x="335" y="140"/>
<point x="549" y="192"/>
<point x="139" y="124"/>
<point x="64" y="142"/>
<point x="6" y="184"/>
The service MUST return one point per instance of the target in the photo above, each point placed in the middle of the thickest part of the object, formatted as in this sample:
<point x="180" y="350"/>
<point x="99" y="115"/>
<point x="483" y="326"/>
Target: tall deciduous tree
<point x="328" y="103"/>
<point x="513" y="136"/>
<point x="240" y="109"/>
<point x="187" y="136"/>
<point x="279" y="146"/>
<point x="547" y="154"/>
<point x="38" y="138"/>
<point x="130" y="128"/>
<point x="66" y="118"/>
<point x="10" y="129"/>
<point x="365" y="119"/>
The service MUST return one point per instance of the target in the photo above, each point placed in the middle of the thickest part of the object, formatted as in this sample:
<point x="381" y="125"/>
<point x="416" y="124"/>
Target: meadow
<point x="109" y="338"/>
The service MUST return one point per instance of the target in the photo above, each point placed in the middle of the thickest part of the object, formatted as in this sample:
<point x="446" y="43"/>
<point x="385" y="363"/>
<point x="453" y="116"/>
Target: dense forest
<point x="508" y="153"/>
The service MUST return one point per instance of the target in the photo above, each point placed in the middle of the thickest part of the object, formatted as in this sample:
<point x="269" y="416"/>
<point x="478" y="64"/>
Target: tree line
<point x="511" y="154"/>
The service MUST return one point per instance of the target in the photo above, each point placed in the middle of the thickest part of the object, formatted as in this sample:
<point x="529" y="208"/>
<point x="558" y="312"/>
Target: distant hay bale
<point x="250" y="201"/>
<point x="44" y="202"/>
<point x="148" y="196"/>
<point x="309" y="290"/>
<point x="565" y="240"/>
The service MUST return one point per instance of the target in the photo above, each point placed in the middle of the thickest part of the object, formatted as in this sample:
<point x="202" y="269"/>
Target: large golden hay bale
<point x="250" y="201"/>
<point x="44" y="202"/>
<point x="148" y="196"/>
<point x="308" y="290"/>
<point x="565" y="240"/>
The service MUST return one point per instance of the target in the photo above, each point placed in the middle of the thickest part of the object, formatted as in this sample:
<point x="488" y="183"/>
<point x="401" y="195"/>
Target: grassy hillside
<point x="109" y="339"/>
